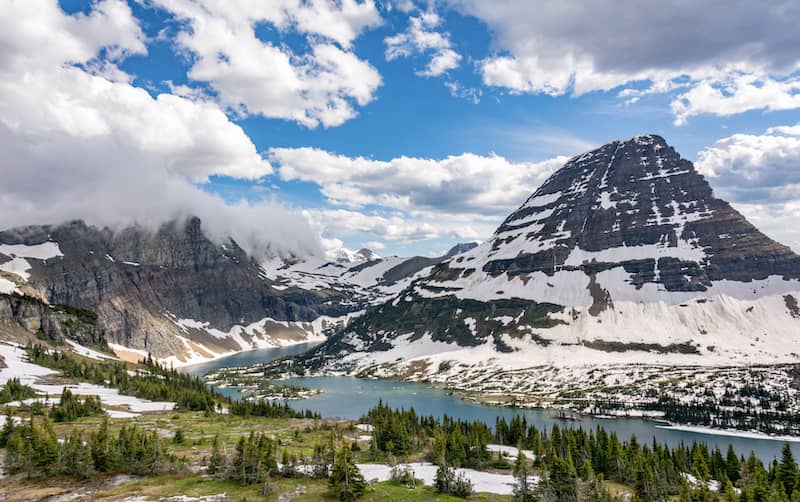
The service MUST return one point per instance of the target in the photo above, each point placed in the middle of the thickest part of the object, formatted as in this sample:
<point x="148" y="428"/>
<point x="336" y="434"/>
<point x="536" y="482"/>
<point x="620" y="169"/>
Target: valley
<point x="633" y="333"/>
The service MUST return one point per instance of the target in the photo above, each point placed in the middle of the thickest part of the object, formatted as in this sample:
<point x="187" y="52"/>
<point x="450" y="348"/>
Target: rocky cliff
<point x="56" y="323"/>
<point x="172" y="292"/>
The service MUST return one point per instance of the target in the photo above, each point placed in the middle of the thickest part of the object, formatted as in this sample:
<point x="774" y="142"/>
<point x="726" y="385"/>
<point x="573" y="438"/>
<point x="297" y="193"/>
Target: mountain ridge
<point x="175" y="293"/>
<point x="622" y="256"/>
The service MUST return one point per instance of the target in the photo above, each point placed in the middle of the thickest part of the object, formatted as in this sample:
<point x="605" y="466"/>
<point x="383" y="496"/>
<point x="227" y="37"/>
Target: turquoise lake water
<point x="348" y="397"/>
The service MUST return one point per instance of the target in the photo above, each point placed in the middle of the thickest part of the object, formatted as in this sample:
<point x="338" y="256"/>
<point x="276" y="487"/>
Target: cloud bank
<point x="759" y="174"/>
<point x="408" y="199"/>
<point x="252" y="75"/>
<point x="80" y="141"/>
<point x="723" y="57"/>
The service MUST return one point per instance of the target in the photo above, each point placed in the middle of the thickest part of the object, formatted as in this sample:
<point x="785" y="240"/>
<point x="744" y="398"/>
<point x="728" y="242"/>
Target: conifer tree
<point x="217" y="461"/>
<point x="786" y="471"/>
<point x="346" y="481"/>
<point x="523" y="488"/>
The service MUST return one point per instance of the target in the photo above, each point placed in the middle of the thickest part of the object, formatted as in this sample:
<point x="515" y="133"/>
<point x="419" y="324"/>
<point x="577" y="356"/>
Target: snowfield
<point x="29" y="374"/>
<point x="18" y="264"/>
<point x="486" y="482"/>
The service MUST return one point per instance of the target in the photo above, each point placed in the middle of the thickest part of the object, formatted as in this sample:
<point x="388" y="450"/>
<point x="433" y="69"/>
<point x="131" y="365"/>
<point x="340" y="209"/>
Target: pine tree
<point x="346" y="481"/>
<point x="562" y="482"/>
<point x="217" y="460"/>
<point x="104" y="454"/>
<point x="786" y="471"/>
<point x="523" y="489"/>
<point x="732" y="465"/>
<point x="8" y="427"/>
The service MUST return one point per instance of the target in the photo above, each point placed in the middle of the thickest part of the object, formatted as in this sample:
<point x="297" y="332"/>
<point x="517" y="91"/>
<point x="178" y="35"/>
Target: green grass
<point x="300" y="489"/>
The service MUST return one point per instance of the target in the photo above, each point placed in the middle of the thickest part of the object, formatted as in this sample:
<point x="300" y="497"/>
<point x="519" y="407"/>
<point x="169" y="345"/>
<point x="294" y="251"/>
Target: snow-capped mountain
<point x="461" y="247"/>
<point x="184" y="298"/>
<point x="623" y="256"/>
<point x="350" y="256"/>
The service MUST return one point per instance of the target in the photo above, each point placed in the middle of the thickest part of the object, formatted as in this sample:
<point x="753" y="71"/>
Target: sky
<point x="301" y="126"/>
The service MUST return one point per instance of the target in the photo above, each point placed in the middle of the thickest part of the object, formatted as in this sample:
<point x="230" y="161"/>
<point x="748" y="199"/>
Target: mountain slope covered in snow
<point x="623" y="256"/>
<point x="183" y="297"/>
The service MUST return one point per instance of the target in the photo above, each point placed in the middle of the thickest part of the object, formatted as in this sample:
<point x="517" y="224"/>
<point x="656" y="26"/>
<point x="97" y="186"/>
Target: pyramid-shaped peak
<point x="636" y="201"/>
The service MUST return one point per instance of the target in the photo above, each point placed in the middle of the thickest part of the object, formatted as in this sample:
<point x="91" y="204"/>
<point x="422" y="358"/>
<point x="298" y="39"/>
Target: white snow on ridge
<point x="7" y="286"/>
<point x="108" y="396"/>
<point x="542" y="200"/>
<point x="362" y="278"/>
<point x="43" y="251"/>
<point x="683" y="251"/>
<point x="17" y="367"/>
<point x="730" y="433"/>
<point x="87" y="352"/>
<point x="510" y="451"/>
<point x="18" y="264"/>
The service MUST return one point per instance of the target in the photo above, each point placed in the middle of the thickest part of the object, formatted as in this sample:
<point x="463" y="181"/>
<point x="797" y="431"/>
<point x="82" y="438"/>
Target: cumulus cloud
<point x="258" y="77"/>
<point x="731" y="56"/>
<point x="736" y="94"/>
<point x="462" y="196"/>
<point x="463" y="184"/>
<point x="759" y="174"/>
<point x="375" y="245"/>
<point x="421" y="38"/>
<point x="80" y="141"/>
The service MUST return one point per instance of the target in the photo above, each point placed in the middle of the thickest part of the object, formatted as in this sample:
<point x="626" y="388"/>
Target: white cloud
<point x="759" y="175"/>
<point x="253" y="76"/>
<point x="733" y="56"/>
<point x="462" y="196"/>
<point x="397" y="227"/>
<point x="81" y="142"/>
<point x="467" y="183"/>
<point x="421" y="38"/>
<point x="737" y="94"/>
<point x="375" y="245"/>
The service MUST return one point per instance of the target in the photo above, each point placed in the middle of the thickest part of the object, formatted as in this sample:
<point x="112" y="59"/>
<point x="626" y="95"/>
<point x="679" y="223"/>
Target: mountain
<point x="182" y="296"/>
<point x="461" y="247"/>
<point x="349" y="256"/>
<point x="172" y="292"/>
<point x="623" y="256"/>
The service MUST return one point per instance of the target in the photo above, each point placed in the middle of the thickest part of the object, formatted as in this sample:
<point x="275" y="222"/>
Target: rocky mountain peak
<point x="638" y="203"/>
<point x="171" y="290"/>
<point x="461" y="247"/>
<point x="367" y="254"/>
<point x="345" y="255"/>
<point x="623" y="254"/>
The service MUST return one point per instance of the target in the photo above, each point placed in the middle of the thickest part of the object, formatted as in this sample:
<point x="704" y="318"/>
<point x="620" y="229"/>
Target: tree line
<point x="33" y="448"/>
<point x="572" y="463"/>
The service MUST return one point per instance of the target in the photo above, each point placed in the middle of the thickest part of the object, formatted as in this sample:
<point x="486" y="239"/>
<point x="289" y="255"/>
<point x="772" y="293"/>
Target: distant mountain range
<point x="184" y="298"/>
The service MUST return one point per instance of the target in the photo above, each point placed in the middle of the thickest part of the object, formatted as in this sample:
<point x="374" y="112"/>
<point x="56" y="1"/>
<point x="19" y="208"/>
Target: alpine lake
<point x="350" y="398"/>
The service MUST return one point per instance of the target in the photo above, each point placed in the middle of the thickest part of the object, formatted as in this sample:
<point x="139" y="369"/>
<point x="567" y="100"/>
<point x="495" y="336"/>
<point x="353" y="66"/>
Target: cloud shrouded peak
<point x="82" y="142"/>
<point x="260" y="77"/>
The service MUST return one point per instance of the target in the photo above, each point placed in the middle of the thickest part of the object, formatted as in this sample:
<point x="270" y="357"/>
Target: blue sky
<point x="338" y="110"/>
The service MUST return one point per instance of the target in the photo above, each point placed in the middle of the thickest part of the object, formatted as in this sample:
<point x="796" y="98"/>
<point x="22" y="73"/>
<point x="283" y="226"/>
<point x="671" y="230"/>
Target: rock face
<point x="55" y="322"/>
<point x="172" y="292"/>
<point x="623" y="255"/>
<point x="636" y="194"/>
